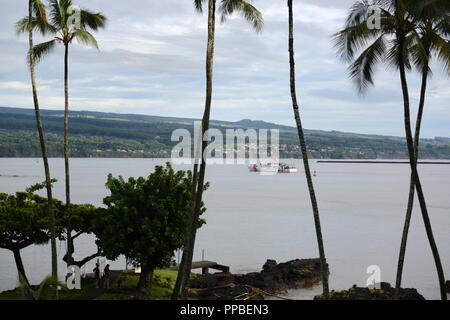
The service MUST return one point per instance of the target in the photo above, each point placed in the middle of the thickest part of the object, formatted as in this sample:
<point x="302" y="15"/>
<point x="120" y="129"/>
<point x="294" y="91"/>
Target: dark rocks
<point x="386" y="292"/>
<point x="212" y="280"/>
<point x="273" y="279"/>
<point x="270" y="265"/>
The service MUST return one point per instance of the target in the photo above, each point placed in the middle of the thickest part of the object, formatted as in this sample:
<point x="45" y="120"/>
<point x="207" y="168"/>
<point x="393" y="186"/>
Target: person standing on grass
<point x="97" y="275"/>
<point x="106" y="276"/>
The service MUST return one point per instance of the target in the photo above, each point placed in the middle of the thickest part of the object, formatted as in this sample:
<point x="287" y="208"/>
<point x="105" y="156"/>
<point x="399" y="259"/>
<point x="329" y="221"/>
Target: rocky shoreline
<point x="385" y="292"/>
<point x="273" y="279"/>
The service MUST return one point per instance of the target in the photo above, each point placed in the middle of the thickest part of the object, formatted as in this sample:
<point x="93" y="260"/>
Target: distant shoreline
<point x="338" y="161"/>
<point x="379" y="162"/>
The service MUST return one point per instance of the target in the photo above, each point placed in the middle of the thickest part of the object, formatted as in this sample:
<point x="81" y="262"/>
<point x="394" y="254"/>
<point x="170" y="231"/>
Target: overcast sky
<point x="151" y="61"/>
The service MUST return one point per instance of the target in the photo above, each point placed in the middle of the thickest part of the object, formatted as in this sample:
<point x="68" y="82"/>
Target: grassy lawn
<point x="163" y="282"/>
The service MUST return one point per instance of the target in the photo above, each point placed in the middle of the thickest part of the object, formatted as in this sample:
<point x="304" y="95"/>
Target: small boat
<point x="287" y="168"/>
<point x="264" y="168"/>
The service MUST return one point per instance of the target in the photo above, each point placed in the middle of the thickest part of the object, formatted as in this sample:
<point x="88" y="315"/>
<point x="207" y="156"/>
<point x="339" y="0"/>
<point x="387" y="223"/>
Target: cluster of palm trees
<point x="412" y="33"/>
<point x="64" y="23"/>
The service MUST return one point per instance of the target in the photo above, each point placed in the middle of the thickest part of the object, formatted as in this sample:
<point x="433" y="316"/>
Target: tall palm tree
<point x="301" y="135"/>
<point x="67" y="24"/>
<point x="429" y="39"/>
<point x="37" y="19"/>
<point x="226" y="8"/>
<point x="389" y="44"/>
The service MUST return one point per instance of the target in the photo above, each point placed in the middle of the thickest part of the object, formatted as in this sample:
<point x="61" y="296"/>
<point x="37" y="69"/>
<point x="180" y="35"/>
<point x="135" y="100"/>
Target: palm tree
<point x="67" y="23"/>
<point x="301" y="135"/>
<point x="429" y="40"/>
<point x="37" y="19"/>
<point x="390" y="44"/>
<point x="226" y="9"/>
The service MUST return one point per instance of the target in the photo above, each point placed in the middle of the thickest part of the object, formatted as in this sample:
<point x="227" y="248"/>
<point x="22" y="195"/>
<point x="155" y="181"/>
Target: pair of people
<point x="105" y="279"/>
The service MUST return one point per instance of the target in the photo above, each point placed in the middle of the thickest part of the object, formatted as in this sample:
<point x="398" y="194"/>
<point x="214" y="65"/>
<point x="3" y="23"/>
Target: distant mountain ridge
<point x="98" y="134"/>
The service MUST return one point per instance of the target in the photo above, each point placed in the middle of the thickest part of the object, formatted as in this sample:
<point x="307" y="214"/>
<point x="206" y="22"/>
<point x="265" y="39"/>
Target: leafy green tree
<point x="37" y="19"/>
<point x="67" y="23"/>
<point x="145" y="219"/>
<point x="226" y="9"/>
<point x="430" y="39"/>
<point x="82" y="221"/>
<point x="390" y="44"/>
<point x="304" y="152"/>
<point x="23" y="222"/>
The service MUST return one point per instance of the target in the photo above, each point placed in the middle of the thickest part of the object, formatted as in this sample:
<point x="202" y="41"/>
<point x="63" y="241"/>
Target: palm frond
<point x="358" y="13"/>
<point x="55" y="13"/>
<point x="65" y="9"/>
<point x="443" y="26"/>
<point x="442" y="49"/>
<point x="92" y="20"/>
<point x="419" y="50"/>
<point x="39" y="10"/>
<point x="352" y="39"/>
<point x="429" y="10"/>
<point x="198" y="4"/>
<point x="356" y="34"/>
<point x="393" y="54"/>
<point x="23" y="25"/>
<point x="362" y="69"/>
<point x="432" y="33"/>
<point x="246" y="9"/>
<point x="41" y="50"/>
<point x="37" y="24"/>
<point x="86" y="38"/>
<point x="361" y="10"/>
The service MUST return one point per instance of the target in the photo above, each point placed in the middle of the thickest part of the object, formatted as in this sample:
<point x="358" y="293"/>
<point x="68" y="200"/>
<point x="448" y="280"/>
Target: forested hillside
<point x="94" y="134"/>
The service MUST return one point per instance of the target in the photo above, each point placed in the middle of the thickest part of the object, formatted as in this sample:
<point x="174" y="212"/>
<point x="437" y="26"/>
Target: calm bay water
<point x="252" y="218"/>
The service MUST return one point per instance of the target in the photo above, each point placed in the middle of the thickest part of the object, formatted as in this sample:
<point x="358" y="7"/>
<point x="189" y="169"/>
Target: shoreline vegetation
<point x="381" y="162"/>
<point x="109" y="135"/>
<point x="272" y="282"/>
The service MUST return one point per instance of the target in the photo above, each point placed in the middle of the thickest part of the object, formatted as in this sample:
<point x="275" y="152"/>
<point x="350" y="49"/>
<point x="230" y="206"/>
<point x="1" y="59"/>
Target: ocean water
<point x="252" y="218"/>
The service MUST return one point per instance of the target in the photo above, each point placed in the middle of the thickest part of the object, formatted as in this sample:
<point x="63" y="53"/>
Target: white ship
<point x="273" y="168"/>
<point x="264" y="168"/>
<point x="287" y="168"/>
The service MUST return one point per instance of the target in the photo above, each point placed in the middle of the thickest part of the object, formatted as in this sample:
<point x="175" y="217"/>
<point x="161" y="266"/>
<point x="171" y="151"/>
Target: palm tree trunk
<point x="48" y="183"/>
<point x="193" y="229"/>
<point x="66" y="151"/>
<point x="414" y="172"/>
<point x="324" y="265"/>
<point x="176" y="293"/>
<point x="20" y="267"/>
<point x="401" y="259"/>
<point x="188" y="252"/>
<point x="182" y="267"/>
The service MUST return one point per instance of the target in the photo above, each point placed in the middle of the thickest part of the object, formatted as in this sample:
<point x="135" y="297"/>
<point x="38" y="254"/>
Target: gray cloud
<point x="152" y="62"/>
